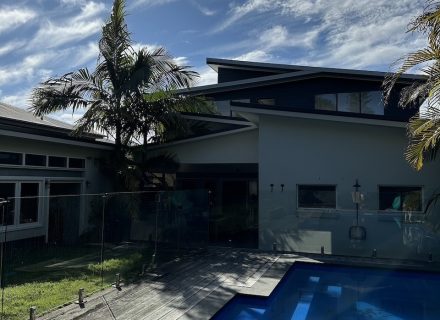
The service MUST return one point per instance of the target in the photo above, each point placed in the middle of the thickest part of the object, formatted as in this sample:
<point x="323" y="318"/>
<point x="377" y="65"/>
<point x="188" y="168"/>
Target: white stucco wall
<point x="238" y="147"/>
<point x="296" y="151"/>
<point x="97" y="182"/>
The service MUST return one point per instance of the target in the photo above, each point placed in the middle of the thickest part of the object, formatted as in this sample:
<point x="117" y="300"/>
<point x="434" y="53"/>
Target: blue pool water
<point x="313" y="291"/>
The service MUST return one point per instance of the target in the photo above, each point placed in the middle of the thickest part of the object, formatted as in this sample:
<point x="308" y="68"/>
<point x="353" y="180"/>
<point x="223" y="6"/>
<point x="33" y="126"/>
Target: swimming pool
<point x="317" y="291"/>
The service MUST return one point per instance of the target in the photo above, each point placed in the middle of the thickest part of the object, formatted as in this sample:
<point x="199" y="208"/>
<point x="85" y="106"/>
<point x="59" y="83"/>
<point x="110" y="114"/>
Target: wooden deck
<point x="193" y="288"/>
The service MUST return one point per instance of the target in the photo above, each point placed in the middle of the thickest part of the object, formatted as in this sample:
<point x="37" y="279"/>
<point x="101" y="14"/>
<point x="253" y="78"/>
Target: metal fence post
<point x="104" y="198"/>
<point x="32" y="313"/>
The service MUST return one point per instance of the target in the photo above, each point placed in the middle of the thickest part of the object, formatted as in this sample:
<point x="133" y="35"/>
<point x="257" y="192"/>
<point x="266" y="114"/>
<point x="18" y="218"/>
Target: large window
<point x="325" y="102"/>
<point x="400" y="198"/>
<point x="356" y="102"/>
<point x="24" y="203"/>
<point x="7" y="191"/>
<point x="317" y="196"/>
<point x="349" y="102"/>
<point x="11" y="158"/>
<point x="371" y="102"/>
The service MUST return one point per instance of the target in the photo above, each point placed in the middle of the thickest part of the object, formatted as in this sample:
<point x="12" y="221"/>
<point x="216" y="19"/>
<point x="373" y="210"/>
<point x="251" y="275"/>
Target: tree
<point x="130" y="96"/>
<point x="424" y="127"/>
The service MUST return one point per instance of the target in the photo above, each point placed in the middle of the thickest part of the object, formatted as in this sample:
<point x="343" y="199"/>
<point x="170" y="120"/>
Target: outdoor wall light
<point x="282" y="187"/>
<point x="271" y="187"/>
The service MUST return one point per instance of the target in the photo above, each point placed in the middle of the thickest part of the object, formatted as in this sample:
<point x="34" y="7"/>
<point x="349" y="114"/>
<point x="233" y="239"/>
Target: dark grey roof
<point x="286" y="73"/>
<point x="25" y="117"/>
<point x="14" y="113"/>
<point x="283" y="68"/>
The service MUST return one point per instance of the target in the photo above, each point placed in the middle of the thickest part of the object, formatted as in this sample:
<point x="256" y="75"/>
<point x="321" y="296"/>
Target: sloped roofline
<point x="12" y="114"/>
<point x="286" y="73"/>
<point x="215" y="63"/>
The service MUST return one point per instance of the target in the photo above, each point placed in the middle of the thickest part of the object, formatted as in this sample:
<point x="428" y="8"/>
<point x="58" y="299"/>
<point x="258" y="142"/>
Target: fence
<point x="51" y="247"/>
<point x="390" y="226"/>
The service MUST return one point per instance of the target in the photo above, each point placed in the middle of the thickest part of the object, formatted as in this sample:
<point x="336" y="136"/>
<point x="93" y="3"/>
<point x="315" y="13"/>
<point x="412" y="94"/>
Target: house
<point x="283" y="157"/>
<point x="40" y="158"/>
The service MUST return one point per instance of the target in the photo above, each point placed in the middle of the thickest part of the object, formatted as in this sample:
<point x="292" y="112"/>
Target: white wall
<point x="92" y="174"/>
<point x="306" y="151"/>
<point x="232" y="148"/>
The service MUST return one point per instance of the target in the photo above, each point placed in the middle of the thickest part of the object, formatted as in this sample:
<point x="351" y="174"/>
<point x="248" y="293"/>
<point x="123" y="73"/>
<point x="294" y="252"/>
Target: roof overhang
<point x="80" y="143"/>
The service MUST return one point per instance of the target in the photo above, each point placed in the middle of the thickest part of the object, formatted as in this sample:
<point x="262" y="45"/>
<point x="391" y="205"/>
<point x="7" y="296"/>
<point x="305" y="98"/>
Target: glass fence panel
<point x="370" y="225"/>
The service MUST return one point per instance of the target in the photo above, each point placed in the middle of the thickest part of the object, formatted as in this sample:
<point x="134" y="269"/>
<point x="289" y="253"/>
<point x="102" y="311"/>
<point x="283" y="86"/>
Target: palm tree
<point x="129" y="96"/>
<point x="423" y="128"/>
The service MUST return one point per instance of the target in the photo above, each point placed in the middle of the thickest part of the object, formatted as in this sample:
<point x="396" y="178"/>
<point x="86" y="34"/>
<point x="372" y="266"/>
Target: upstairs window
<point x="355" y="102"/>
<point x="317" y="196"/>
<point x="349" y="102"/>
<point x="267" y="102"/>
<point x="11" y="158"/>
<point x="399" y="198"/>
<point x="371" y="102"/>
<point x="325" y="102"/>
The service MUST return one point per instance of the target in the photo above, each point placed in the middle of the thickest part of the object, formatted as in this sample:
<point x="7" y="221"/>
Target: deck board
<point x="185" y="286"/>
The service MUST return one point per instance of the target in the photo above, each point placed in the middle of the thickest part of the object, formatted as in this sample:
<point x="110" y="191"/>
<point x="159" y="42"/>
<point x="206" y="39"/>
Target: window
<point x="325" y="102"/>
<point x="11" y="158"/>
<point x="29" y="202"/>
<point x="77" y="163"/>
<point x="316" y="196"/>
<point x="267" y="102"/>
<point x="356" y="102"/>
<point x="57" y="162"/>
<point x="371" y="102"/>
<point x="35" y="160"/>
<point x="400" y="198"/>
<point x="7" y="190"/>
<point x="349" y="102"/>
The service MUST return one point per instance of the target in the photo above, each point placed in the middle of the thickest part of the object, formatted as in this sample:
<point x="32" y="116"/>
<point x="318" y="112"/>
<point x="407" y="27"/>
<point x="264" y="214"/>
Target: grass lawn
<point x="49" y="282"/>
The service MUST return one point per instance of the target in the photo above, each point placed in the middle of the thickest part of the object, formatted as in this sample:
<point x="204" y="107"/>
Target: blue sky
<point x="43" y="38"/>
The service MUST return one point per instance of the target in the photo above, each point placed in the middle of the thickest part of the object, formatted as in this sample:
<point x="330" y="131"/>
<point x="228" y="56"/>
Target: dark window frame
<point x="298" y="191"/>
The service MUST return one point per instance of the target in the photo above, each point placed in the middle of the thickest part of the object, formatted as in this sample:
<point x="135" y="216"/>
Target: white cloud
<point x="11" y="18"/>
<point x="204" y="10"/>
<point x="257" y="56"/>
<point x="181" y="61"/>
<point x="149" y="3"/>
<point x="351" y="33"/>
<point x="149" y="46"/>
<point x="30" y="67"/>
<point x="18" y="99"/>
<point x="207" y="76"/>
<point x="77" y="28"/>
<point x="11" y="46"/>
<point x="86" y="54"/>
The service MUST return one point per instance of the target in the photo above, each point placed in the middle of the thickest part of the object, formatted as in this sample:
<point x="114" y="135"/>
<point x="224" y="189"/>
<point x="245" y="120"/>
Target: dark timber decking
<point x="197" y="286"/>
<point x="192" y="288"/>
